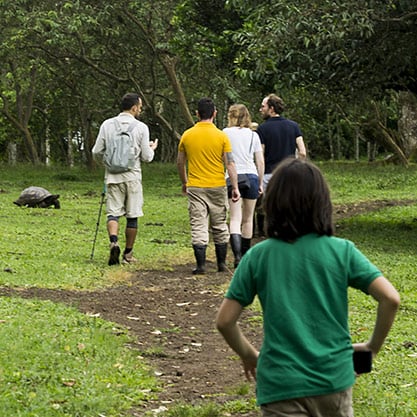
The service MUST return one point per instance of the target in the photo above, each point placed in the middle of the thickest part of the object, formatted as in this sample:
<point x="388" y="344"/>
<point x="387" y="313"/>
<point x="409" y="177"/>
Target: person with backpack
<point x="121" y="144"/>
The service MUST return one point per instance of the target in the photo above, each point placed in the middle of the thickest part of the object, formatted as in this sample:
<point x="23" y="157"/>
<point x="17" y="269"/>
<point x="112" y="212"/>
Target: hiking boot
<point x="246" y="243"/>
<point x="128" y="258"/>
<point x="236" y="244"/>
<point x="221" y="251"/>
<point x="200" y="256"/>
<point x="114" y="254"/>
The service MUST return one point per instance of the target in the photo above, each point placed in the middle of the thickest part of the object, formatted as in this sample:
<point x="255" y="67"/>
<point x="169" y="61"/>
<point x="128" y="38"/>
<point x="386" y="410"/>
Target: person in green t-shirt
<point x="301" y="274"/>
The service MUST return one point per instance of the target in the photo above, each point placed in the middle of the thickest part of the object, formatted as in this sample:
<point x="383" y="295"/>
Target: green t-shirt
<point x="303" y="290"/>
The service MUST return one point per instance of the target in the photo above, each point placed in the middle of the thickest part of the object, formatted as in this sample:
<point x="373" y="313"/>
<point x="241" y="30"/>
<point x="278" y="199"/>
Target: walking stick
<point x="103" y="194"/>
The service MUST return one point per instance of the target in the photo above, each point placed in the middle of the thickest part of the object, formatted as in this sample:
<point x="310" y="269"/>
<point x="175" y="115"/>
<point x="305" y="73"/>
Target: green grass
<point x="352" y="182"/>
<point x="55" y="361"/>
<point x="389" y="238"/>
<point x="52" y="248"/>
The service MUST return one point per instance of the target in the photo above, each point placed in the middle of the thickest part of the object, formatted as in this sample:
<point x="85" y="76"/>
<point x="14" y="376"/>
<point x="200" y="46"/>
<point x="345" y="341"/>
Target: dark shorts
<point x="251" y="193"/>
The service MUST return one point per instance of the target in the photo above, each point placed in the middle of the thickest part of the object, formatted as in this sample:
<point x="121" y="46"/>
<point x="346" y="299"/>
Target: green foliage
<point x="336" y="44"/>
<point x="204" y="33"/>
<point x="66" y="64"/>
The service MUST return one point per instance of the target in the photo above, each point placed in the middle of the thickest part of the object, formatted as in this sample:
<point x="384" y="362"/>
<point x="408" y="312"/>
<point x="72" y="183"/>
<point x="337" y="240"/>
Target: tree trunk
<point x="70" y="155"/>
<point x="330" y="134"/>
<point x="12" y="153"/>
<point x="357" y="144"/>
<point x="169" y="66"/>
<point x="30" y="145"/>
<point x="407" y="124"/>
<point x="47" y="144"/>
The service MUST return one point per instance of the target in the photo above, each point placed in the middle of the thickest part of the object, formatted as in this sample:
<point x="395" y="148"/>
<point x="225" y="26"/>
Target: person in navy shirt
<point x="280" y="137"/>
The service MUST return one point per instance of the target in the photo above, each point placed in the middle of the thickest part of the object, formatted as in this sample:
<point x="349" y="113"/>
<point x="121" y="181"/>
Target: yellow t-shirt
<point x="204" y="146"/>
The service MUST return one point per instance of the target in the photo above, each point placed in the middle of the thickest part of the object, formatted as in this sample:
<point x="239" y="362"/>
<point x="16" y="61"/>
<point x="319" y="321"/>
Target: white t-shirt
<point x="245" y="143"/>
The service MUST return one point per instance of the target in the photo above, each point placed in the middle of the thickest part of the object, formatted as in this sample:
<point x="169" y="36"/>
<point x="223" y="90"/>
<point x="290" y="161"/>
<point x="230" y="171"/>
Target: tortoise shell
<point x="37" y="197"/>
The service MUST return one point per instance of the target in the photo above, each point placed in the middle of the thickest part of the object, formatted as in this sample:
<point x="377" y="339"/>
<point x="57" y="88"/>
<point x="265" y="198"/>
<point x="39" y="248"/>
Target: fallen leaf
<point x="69" y="383"/>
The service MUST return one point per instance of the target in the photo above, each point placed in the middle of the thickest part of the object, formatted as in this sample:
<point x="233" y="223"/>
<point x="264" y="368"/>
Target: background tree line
<point x="347" y="70"/>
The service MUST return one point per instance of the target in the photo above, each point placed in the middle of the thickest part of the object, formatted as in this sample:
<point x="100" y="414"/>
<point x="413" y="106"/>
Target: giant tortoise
<point x="37" y="197"/>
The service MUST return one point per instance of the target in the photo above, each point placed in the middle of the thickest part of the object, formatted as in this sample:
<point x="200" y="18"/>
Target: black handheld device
<point x="362" y="361"/>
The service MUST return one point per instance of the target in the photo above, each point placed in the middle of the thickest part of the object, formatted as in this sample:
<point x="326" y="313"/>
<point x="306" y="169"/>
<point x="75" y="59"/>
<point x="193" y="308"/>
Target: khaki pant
<point x="207" y="208"/>
<point x="333" y="405"/>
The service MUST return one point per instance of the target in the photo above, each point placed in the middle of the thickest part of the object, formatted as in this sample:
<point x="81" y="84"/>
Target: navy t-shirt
<point x="278" y="135"/>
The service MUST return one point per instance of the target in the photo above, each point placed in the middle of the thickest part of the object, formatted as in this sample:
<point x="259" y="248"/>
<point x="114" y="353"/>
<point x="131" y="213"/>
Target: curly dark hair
<point x="297" y="201"/>
<point x="276" y="102"/>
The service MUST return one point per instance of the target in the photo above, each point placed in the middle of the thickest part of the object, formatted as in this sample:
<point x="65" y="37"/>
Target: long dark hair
<point x="297" y="201"/>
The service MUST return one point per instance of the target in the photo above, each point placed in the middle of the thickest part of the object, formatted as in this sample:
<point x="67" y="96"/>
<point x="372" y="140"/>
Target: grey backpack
<point x="119" y="155"/>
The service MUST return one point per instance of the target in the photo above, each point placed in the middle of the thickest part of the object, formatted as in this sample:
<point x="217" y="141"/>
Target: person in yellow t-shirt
<point x="203" y="152"/>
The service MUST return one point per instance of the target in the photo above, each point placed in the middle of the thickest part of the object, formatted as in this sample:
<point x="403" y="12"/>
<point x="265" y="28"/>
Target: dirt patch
<point x="170" y="316"/>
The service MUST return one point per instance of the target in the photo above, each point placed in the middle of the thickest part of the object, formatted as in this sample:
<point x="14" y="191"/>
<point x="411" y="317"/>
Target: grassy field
<point x="55" y="361"/>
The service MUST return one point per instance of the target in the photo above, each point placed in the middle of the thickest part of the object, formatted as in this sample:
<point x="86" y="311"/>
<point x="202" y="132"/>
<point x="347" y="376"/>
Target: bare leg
<point x="235" y="216"/>
<point x="113" y="227"/>
<point x="247" y="218"/>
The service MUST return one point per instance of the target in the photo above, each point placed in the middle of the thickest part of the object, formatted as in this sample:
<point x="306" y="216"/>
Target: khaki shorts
<point x="125" y="199"/>
<point x="338" y="404"/>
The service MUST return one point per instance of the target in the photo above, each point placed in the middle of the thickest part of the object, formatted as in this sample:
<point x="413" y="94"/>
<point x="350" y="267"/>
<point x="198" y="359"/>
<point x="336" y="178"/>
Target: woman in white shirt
<point x="248" y="156"/>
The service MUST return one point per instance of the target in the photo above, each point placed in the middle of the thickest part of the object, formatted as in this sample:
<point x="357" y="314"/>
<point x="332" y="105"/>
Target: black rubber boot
<point x="260" y="219"/>
<point x="221" y="252"/>
<point x="236" y="244"/>
<point x="245" y="245"/>
<point x="200" y="257"/>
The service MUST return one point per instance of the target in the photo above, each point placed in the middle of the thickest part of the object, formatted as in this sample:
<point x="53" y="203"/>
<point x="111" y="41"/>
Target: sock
<point x="113" y="238"/>
<point x="127" y="250"/>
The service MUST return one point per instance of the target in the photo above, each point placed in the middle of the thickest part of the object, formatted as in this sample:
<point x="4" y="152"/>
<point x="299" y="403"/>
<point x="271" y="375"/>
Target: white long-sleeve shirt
<point x="143" y="152"/>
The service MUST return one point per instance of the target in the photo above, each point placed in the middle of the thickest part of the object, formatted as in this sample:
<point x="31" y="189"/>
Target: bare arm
<point x="226" y="322"/>
<point x="231" y="170"/>
<point x="260" y="167"/>
<point x="182" y="172"/>
<point x="302" y="153"/>
<point x="388" y="301"/>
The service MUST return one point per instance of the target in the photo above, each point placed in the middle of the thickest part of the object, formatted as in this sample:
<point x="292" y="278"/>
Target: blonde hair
<point x="238" y="115"/>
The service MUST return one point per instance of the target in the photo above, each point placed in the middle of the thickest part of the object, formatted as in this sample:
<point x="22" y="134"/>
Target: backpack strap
<point x="251" y="142"/>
